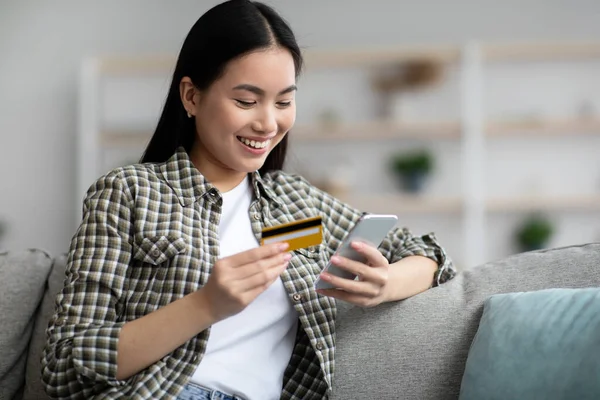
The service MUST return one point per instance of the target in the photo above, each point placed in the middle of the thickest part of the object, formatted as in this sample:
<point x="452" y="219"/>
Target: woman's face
<point x="244" y="114"/>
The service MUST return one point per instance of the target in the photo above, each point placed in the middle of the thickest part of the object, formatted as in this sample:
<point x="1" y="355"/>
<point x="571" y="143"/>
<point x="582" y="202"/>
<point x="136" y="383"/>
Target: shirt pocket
<point x="156" y="250"/>
<point x="154" y="260"/>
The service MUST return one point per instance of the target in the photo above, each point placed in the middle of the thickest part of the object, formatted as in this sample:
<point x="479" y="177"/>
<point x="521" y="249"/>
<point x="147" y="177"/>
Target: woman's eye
<point x="245" y="103"/>
<point x="284" y="104"/>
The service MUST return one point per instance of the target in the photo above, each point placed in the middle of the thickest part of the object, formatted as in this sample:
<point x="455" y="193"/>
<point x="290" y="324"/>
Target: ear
<point x="188" y="94"/>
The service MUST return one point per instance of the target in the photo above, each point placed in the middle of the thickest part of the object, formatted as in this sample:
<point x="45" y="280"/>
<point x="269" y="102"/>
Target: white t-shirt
<point x="247" y="353"/>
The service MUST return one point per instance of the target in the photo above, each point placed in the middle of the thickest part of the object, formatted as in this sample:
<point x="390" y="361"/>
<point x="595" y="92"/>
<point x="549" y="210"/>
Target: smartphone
<point x="370" y="229"/>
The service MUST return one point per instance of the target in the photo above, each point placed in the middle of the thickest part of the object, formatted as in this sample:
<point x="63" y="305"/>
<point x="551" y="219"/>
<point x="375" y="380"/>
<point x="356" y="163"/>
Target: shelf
<point x="304" y="133"/>
<point x="566" y="127"/>
<point x="380" y="56"/>
<point x="382" y="130"/>
<point x="376" y="130"/>
<point x="544" y="51"/>
<point x="427" y="204"/>
<point x="589" y="202"/>
<point x="403" y="203"/>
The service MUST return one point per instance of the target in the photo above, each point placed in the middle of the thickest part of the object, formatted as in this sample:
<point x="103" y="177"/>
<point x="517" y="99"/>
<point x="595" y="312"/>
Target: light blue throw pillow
<point x="536" y="345"/>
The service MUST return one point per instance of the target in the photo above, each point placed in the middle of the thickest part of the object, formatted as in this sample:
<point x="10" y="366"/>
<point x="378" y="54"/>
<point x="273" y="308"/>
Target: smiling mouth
<point x="254" y="143"/>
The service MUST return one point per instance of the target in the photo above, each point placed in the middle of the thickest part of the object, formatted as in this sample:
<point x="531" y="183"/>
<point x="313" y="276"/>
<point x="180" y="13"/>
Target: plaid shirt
<point x="148" y="237"/>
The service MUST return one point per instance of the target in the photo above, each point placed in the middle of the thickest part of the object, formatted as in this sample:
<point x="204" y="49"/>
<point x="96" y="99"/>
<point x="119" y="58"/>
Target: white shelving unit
<point x="107" y="137"/>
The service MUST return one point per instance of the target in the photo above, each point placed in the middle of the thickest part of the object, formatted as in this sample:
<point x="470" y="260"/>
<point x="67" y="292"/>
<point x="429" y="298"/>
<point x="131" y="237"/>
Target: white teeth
<point x="254" y="143"/>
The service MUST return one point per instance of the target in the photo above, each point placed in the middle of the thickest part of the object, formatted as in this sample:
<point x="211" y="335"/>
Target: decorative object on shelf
<point x="534" y="233"/>
<point x="396" y="82"/>
<point x="413" y="168"/>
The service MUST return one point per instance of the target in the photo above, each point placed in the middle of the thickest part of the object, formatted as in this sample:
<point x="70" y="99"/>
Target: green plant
<point x="413" y="168"/>
<point x="534" y="233"/>
<point x="420" y="162"/>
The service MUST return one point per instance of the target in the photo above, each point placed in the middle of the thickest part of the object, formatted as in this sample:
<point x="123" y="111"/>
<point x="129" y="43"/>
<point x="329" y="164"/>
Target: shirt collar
<point x="190" y="185"/>
<point x="262" y="187"/>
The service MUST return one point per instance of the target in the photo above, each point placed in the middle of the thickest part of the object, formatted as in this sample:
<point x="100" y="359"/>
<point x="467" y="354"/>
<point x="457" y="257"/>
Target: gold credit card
<point x="298" y="234"/>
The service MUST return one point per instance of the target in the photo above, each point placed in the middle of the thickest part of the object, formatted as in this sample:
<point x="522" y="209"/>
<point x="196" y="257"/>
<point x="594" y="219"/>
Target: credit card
<point x="298" y="234"/>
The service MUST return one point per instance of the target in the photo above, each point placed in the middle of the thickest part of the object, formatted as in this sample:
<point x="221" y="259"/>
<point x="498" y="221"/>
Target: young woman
<point x="168" y="294"/>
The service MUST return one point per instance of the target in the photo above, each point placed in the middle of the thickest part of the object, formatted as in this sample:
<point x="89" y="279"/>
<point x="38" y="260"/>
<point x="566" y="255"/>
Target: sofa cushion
<point x="536" y="345"/>
<point x="417" y="348"/>
<point x="22" y="284"/>
<point x="33" y="377"/>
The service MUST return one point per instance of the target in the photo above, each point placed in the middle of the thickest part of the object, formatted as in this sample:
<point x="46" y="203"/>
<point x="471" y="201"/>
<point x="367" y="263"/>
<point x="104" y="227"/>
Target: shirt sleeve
<point x="338" y="219"/>
<point x="401" y="243"/>
<point x="80" y="356"/>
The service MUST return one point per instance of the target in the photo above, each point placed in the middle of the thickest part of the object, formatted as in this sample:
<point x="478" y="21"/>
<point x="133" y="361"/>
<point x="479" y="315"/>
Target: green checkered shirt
<point x="149" y="236"/>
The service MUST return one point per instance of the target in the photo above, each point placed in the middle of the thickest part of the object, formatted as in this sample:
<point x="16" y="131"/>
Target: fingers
<point x="365" y="289"/>
<point x="371" y="283"/>
<point x="373" y="255"/>
<point x="257" y="267"/>
<point x="366" y="273"/>
<point x="263" y="279"/>
<point x="253" y="255"/>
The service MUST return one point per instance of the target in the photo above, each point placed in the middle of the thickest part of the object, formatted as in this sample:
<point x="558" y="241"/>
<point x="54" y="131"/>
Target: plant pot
<point x="413" y="182"/>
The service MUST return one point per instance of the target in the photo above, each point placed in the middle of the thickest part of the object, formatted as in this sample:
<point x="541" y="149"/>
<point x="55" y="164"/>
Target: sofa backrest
<point x="417" y="348"/>
<point x="33" y="378"/>
<point x="23" y="277"/>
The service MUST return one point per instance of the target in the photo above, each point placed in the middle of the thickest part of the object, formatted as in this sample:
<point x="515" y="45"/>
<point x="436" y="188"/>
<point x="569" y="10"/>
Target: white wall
<point x="42" y="43"/>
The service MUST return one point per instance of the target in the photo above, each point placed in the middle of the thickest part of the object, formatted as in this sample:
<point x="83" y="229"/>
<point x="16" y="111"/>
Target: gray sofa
<point x="413" y="349"/>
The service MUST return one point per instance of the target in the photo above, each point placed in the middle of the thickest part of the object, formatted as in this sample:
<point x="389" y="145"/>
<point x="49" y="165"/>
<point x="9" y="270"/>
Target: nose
<point x="265" y="122"/>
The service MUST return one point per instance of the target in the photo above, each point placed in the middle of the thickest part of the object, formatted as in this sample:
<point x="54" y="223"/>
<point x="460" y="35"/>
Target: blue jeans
<point x="192" y="391"/>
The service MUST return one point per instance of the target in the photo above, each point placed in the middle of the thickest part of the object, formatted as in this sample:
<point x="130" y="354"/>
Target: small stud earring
<point x="189" y="115"/>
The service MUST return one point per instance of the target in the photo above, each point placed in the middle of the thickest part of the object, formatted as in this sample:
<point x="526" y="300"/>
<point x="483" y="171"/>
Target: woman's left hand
<point x="370" y="288"/>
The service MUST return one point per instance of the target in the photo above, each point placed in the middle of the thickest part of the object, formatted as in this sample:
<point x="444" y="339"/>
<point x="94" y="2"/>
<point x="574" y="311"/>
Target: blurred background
<point x="476" y="120"/>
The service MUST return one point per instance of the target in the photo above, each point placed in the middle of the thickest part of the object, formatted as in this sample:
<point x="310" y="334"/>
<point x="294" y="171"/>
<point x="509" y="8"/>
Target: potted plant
<point x="534" y="233"/>
<point x="413" y="168"/>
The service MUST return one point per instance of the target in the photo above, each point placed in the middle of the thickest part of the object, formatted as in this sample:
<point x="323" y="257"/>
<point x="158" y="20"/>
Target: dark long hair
<point x="225" y="32"/>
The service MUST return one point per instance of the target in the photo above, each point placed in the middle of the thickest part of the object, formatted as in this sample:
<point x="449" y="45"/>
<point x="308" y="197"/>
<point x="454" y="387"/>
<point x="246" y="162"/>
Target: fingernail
<point x="325" y="276"/>
<point x="283" y="246"/>
<point x="357" y="245"/>
<point x="287" y="257"/>
<point x="335" y="259"/>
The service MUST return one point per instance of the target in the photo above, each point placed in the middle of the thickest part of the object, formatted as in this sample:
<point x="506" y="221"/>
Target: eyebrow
<point x="260" y="92"/>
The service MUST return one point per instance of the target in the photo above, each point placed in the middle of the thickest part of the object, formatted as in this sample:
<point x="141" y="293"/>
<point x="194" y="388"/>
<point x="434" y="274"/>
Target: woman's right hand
<point x="237" y="280"/>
